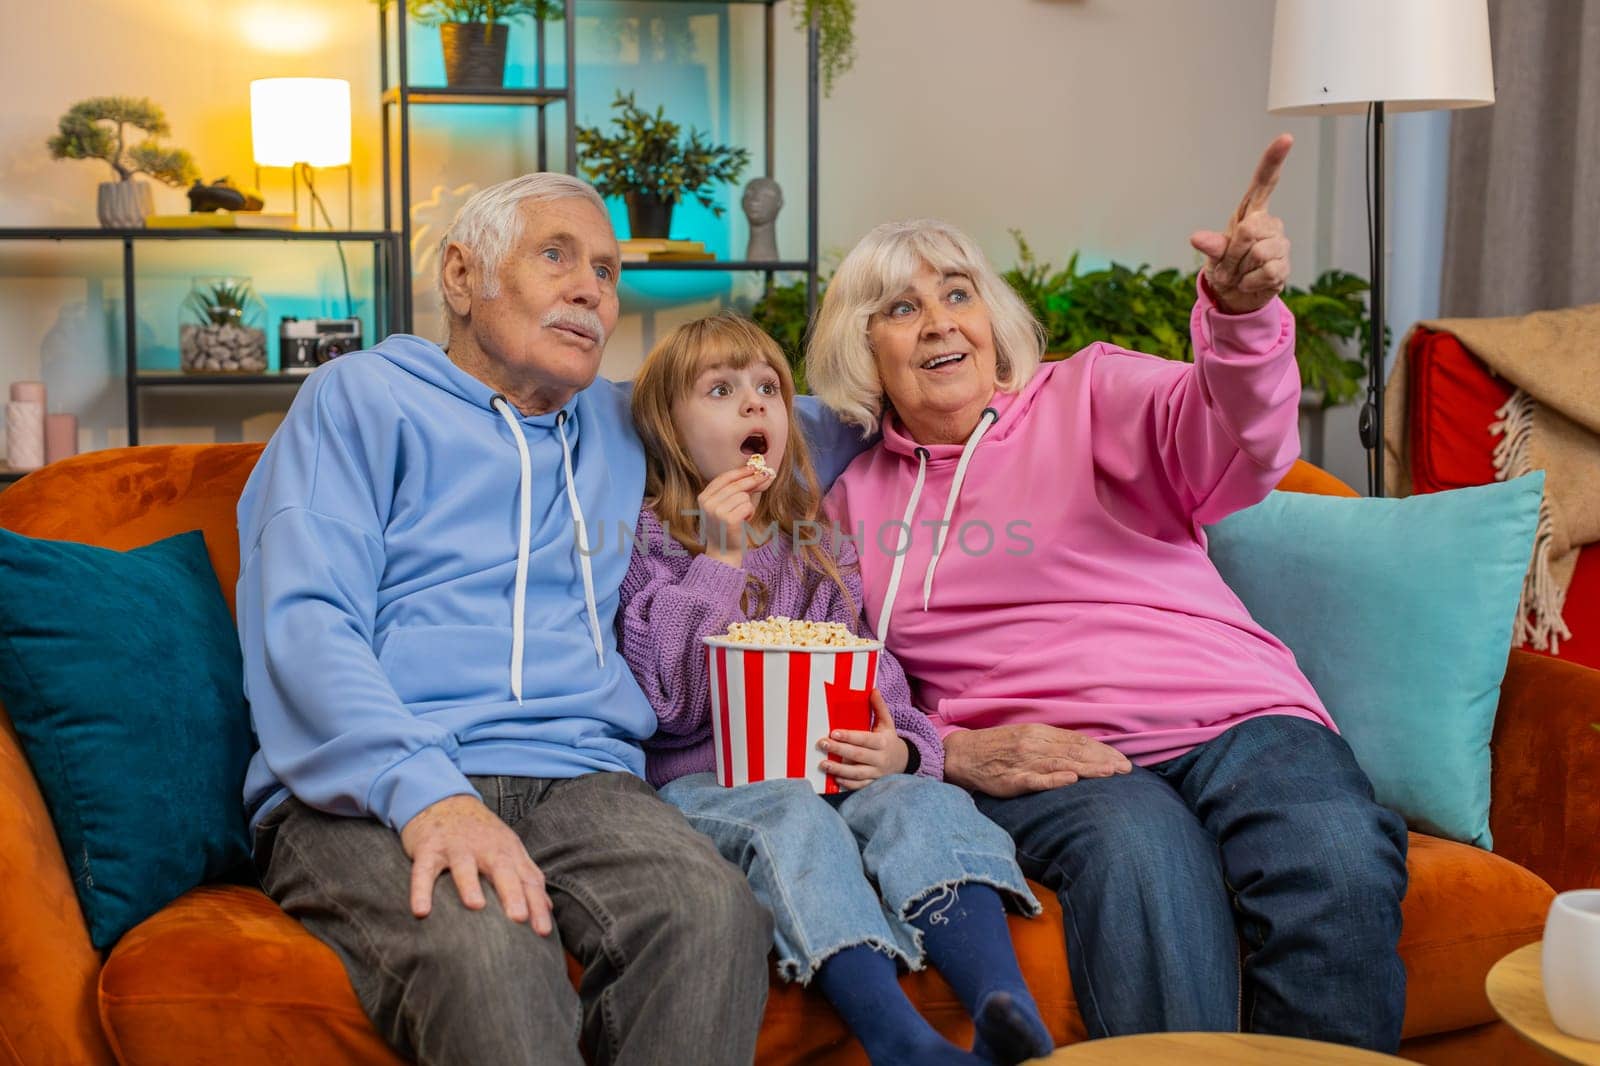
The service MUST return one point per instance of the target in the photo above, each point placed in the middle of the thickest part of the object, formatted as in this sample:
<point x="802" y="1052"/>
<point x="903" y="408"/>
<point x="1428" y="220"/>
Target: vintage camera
<point x="306" y="343"/>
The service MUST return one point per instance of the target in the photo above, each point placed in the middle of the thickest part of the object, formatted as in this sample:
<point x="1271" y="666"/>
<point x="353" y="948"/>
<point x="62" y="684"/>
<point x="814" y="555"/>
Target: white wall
<point x="1111" y="126"/>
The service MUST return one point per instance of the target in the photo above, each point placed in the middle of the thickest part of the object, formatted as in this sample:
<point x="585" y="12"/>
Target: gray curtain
<point x="1522" y="228"/>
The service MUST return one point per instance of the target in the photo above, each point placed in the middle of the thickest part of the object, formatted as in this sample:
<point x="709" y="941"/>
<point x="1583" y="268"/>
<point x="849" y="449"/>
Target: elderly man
<point x="435" y="685"/>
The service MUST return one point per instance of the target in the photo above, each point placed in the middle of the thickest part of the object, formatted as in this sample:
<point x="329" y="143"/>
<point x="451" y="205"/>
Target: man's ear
<point x="455" y="278"/>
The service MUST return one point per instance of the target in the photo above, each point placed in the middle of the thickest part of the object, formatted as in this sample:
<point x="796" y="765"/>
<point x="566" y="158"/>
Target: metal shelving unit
<point x="401" y="97"/>
<point x="386" y="264"/>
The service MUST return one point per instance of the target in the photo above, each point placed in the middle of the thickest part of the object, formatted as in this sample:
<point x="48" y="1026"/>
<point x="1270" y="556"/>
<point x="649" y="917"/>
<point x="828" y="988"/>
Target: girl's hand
<point x="867" y="755"/>
<point x="726" y="504"/>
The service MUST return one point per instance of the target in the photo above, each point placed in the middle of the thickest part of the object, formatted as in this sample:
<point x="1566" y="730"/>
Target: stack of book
<point x="660" y="250"/>
<point x="221" y="220"/>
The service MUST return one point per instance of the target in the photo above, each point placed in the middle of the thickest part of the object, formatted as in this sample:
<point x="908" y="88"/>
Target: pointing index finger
<point x="1265" y="179"/>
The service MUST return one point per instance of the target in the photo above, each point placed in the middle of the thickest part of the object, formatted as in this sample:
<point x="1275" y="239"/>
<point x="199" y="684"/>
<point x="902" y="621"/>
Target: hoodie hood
<point x="430" y="364"/>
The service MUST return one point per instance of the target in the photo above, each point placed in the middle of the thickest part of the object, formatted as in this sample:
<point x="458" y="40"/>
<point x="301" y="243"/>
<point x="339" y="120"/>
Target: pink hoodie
<point x="1073" y="586"/>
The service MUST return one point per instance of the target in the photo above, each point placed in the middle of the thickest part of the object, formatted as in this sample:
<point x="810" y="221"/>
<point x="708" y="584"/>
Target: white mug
<point x="1572" y="963"/>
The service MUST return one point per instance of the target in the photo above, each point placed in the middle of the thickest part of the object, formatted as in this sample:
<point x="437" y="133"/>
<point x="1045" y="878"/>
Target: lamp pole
<point x="1372" y="413"/>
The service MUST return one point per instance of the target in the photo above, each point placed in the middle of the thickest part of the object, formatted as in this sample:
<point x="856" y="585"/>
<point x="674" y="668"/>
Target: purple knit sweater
<point x="671" y="600"/>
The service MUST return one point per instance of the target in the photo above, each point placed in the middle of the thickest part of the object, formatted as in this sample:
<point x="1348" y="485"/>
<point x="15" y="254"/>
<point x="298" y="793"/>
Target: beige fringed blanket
<point x="1551" y="423"/>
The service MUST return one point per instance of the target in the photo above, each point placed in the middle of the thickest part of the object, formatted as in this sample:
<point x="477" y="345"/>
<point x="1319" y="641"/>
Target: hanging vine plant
<point x="836" y="37"/>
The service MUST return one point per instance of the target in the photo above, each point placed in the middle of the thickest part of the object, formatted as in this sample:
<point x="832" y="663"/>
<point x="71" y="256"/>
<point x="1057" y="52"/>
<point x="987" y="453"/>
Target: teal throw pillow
<point x="1400" y="613"/>
<point x="122" y="676"/>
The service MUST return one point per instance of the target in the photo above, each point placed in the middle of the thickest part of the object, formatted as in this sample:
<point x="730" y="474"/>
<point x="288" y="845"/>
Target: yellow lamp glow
<point x="300" y="120"/>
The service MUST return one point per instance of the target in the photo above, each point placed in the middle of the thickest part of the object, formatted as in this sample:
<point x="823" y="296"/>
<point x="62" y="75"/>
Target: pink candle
<point x="28" y="392"/>
<point x="60" y="437"/>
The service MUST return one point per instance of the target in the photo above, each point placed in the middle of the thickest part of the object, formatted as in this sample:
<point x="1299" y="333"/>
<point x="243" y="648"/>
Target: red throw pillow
<point x="1453" y="399"/>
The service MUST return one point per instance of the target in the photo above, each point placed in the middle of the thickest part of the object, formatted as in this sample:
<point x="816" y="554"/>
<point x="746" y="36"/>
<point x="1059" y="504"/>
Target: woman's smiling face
<point x="934" y="347"/>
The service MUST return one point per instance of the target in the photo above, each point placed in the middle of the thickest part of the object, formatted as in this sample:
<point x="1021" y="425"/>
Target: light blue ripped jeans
<point x="834" y="878"/>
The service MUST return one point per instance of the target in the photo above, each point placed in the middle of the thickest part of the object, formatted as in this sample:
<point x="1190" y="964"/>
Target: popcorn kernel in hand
<point x="759" y="462"/>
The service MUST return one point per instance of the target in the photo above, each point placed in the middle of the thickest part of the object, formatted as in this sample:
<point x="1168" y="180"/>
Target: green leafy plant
<point x="836" y="37"/>
<point x="435" y="12"/>
<point x="223" y="303"/>
<point x="1148" y="311"/>
<point x="97" y="128"/>
<point x="781" y="312"/>
<point x="649" y="155"/>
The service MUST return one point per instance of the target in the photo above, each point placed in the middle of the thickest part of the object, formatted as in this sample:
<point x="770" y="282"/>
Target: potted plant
<point x="473" y="35"/>
<point x="648" y="165"/>
<point x="836" y="39"/>
<point x="221" y="338"/>
<point x="97" y="128"/>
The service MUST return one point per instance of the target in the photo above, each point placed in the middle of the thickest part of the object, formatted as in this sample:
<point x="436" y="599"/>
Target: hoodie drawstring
<point x="902" y="547"/>
<point x="583" y="541"/>
<point x="989" y="417"/>
<point x="519" y="599"/>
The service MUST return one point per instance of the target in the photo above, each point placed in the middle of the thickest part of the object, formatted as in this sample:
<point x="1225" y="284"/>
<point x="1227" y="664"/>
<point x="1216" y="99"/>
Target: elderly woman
<point x="1032" y="550"/>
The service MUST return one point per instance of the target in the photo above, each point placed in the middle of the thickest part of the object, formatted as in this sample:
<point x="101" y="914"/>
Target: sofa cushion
<point x="121" y="674"/>
<point x="1400" y="613"/>
<point x="1453" y="400"/>
<point x="226" y="976"/>
<point x="1464" y="910"/>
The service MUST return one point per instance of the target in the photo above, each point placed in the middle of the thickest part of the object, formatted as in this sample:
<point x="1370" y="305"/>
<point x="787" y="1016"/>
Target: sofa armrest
<point x="1545" y="789"/>
<point x="49" y="973"/>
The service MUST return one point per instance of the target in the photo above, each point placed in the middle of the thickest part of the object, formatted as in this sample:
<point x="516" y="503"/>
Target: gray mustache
<point x="576" y="318"/>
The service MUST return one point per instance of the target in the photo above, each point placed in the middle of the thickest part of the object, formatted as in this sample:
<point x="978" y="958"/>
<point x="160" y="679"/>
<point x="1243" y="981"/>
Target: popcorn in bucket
<point x="778" y="687"/>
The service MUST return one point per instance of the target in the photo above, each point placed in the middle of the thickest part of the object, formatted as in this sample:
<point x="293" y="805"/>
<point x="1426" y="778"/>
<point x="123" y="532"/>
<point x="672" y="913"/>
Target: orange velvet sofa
<point x="223" y="976"/>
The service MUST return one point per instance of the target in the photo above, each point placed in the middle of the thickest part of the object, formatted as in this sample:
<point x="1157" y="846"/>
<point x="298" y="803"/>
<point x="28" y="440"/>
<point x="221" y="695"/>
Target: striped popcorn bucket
<point x="770" y="706"/>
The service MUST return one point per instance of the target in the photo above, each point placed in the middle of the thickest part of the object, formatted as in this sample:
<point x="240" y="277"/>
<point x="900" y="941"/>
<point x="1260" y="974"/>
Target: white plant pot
<point x="125" y="204"/>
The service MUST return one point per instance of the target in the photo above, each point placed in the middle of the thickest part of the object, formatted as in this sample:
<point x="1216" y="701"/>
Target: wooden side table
<point x="1516" y="990"/>
<point x="1224" y="1049"/>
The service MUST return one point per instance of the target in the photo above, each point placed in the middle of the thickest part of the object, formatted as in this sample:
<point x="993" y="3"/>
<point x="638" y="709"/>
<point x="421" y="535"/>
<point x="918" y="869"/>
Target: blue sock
<point x="967" y="941"/>
<point x="864" y="988"/>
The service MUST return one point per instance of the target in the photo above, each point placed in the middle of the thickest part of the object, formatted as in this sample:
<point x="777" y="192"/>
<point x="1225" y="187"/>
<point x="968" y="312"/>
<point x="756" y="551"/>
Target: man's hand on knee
<point x="463" y="836"/>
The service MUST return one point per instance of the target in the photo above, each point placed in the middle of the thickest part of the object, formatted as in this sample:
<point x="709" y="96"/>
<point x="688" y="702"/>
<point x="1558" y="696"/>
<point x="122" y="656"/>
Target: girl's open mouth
<point x="755" y="442"/>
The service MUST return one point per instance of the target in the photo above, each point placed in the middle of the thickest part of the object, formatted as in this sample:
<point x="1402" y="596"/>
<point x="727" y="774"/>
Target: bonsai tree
<point x="653" y="166"/>
<point x="97" y="128"/>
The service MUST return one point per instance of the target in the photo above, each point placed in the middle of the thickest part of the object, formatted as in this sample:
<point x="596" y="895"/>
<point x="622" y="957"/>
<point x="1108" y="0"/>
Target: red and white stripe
<point x="770" y="707"/>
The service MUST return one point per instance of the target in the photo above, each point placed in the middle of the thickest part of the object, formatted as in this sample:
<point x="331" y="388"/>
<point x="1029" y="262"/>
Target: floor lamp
<point x="1342" y="57"/>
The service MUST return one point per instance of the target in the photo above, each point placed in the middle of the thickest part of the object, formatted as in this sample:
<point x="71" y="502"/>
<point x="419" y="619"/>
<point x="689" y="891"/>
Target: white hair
<point x="489" y="224"/>
<point x="840" y="367"/>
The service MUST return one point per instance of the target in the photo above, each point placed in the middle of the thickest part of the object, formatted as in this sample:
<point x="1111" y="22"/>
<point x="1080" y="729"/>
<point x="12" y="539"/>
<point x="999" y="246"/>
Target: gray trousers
<point x="672" y="941"/>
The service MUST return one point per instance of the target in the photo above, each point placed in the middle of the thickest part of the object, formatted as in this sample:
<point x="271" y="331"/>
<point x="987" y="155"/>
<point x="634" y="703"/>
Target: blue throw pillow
<point x="1400" y="613"/>
<point x="121" y="673"/>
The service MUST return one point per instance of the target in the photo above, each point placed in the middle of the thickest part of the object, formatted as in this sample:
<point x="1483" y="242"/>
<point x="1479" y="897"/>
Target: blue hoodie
<point x="381" y="539"/>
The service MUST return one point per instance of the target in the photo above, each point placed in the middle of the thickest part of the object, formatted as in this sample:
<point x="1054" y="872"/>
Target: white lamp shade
<point x="300" y="120"/>
<point x="1337" y="56"/>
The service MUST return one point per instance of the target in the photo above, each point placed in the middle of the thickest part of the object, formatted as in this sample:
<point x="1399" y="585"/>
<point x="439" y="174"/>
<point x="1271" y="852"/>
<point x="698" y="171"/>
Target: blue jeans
<point x="814" y="866"/>
<point x="1251" y="883"/>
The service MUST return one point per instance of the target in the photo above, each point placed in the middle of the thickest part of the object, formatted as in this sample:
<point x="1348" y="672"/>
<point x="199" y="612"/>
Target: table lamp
<point x="302" y="123"/>
<point x="1340" y="57"/>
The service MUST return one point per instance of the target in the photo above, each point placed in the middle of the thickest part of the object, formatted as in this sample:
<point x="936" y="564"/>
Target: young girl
<point x="903" y="867"/>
